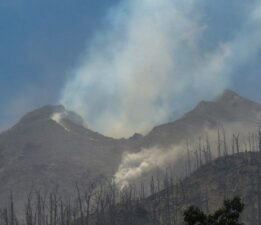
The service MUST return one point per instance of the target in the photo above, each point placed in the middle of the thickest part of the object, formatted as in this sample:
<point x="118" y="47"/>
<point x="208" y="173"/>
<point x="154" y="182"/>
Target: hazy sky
<point x="40" y="41"/>
<point x="43" y="41"/>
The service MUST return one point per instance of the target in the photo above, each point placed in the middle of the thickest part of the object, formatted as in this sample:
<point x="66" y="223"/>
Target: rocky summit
<point x="52" y="147"/>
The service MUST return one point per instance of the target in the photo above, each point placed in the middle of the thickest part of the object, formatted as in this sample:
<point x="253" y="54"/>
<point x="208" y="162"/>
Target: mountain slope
<point x="42" y="151"/>
<point x="229" y="110"/>
<point x="50" y="146"/>
<point x="207" y="188"/>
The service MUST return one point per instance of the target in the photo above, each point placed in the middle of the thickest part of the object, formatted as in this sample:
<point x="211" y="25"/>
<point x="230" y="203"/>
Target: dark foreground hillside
<point x="103" y="204"/>
<point x="209" y="186"/>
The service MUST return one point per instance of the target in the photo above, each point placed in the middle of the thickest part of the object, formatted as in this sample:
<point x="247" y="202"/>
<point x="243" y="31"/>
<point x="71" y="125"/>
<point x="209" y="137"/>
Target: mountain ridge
<point x="228" y="108"/>
<point x="46" y="150"/>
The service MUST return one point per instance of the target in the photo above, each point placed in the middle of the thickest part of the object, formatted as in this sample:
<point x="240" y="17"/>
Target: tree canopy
<point x="228" y="214"/>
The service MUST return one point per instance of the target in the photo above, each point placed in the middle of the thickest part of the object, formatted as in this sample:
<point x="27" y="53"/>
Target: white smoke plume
<point x="149" y="62"/>
<point x="58" y="118"/>
<point x="134" y="165"/>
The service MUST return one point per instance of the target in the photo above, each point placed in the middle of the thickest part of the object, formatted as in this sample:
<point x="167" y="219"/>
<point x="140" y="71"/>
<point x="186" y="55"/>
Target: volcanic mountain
<point x="228" y="111"/>
<point x="50" y="146"/>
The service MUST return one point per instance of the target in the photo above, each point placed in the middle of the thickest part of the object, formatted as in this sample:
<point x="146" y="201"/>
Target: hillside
<point x="41" y="152"/>
<point x="229" y="110"/>
<point x="207" y="187"/>
<point x="51" y="147"/>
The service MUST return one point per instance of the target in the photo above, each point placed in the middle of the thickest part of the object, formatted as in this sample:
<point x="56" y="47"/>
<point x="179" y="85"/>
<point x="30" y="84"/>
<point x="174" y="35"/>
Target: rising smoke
<point x="149" y="62"/>
<point x="134" y="165"/>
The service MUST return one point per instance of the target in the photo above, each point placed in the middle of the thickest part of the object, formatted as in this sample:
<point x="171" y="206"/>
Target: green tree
<point x="227" y="215"/>
<point x="193" y="215"/>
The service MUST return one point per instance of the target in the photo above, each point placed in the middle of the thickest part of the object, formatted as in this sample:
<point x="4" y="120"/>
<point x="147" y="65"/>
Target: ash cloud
<point x="149" y="62"/>
<point x="134" y="165"/>
<point x="137" y="165"/>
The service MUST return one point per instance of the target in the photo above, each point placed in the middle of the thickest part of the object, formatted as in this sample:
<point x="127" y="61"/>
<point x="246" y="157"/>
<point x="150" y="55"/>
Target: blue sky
<point x="42" y="41"/>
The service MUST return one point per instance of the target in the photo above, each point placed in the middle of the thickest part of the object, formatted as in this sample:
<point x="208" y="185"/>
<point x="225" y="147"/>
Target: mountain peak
<point x="228" y="96"/>
<point x="42" y="113"/>
<point x="227" y="106"/>
<point x="52" y="112"/>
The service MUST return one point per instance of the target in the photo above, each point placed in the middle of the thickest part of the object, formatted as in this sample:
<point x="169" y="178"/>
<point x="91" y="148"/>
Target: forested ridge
<point x="236" y="172"/>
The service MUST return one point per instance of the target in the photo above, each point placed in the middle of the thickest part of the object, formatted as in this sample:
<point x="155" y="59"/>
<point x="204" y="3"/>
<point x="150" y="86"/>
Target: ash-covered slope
<point x="236" y="175"/>
<point x="166" y="145"/>
<point x="50" y="147"/>
<point x="229" y="111"/>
